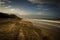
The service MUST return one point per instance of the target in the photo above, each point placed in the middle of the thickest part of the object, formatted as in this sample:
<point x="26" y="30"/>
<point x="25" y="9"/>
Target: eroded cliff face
<point x="17" y="29"/>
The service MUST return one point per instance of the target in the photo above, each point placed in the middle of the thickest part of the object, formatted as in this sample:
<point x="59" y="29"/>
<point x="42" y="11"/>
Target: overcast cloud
<point x="44" y="1"/>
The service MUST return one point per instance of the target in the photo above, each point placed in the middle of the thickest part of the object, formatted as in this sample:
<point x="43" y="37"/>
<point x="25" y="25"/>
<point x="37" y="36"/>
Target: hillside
<point x="14" y="28"/>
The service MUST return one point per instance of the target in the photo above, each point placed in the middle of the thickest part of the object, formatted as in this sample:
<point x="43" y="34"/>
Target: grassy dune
<point x="14" y="29"/>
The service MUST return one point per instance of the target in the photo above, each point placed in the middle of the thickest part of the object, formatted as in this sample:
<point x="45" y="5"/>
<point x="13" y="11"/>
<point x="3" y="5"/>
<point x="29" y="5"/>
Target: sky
<point x="31" y="7"/>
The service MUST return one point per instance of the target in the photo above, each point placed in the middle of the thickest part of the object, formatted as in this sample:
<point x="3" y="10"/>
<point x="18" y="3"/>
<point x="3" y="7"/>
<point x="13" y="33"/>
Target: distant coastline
<point x="40" y="17"/>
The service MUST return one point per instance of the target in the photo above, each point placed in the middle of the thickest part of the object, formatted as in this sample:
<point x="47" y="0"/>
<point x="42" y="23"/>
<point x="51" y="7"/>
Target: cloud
<point x="42" y="1"/>
<point x="8" y="6"/>
<point x="4" y="2"/>
<point x="35" y="1"/>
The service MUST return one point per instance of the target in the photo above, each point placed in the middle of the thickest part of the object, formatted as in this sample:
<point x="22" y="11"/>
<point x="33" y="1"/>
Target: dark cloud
<point x="44" y="1"/>
<point x="50" y="3"/>
<point x="3" y="2"/>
